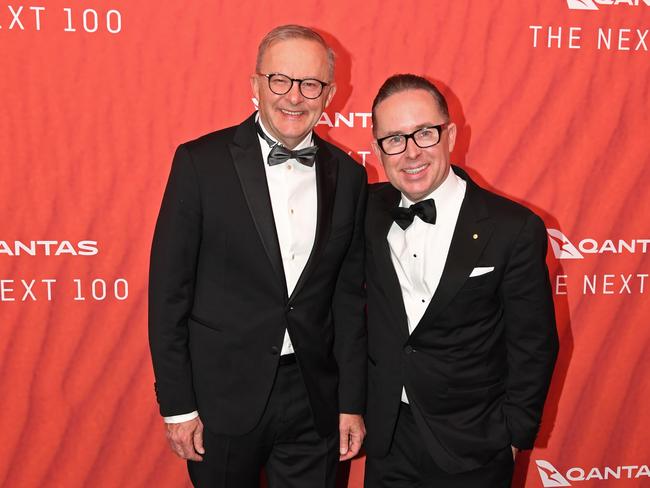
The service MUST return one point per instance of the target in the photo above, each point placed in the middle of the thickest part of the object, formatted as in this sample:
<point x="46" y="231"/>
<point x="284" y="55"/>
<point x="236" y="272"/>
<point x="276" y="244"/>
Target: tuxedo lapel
<point x="472" y="232"/>
<point x="247" y="158"/>
<point x="326" y="173"/>
<point x="381" y="221"/>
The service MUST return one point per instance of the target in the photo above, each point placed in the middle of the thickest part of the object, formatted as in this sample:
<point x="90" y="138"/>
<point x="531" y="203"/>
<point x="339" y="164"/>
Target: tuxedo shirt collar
<point x="444" y="195"/>
<point x="306" y="142"/>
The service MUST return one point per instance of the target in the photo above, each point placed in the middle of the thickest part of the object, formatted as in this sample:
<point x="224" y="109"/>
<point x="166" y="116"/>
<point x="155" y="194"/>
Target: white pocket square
<point x="478" y="271"/>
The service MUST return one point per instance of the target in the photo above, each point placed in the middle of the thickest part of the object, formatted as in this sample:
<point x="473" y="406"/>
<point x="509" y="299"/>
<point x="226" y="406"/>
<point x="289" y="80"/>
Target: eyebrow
<point x="417" y="127"/>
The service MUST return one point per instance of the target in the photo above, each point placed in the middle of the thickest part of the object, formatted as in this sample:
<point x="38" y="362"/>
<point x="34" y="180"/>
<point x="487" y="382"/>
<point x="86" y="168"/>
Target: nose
<point x="294" y="94"/>
<point x="412" y="149"/>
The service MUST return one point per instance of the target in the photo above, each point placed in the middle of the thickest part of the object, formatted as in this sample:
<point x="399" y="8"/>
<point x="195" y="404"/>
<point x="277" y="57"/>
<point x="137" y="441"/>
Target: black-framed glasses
<point x="424" y="137"/>
<point x="281" y="85"/>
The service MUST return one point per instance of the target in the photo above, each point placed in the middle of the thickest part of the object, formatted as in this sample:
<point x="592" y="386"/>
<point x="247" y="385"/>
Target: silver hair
<point x="293" y="31"/>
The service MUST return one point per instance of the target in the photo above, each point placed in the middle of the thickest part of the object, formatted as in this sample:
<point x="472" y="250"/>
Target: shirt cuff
<point x="177" y="419"/>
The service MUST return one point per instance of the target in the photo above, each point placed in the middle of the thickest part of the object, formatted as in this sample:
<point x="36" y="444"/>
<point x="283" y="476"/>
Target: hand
<point x="186" y="439"/>
<point x="352" y="431"/>
<point x="515" y="450"/>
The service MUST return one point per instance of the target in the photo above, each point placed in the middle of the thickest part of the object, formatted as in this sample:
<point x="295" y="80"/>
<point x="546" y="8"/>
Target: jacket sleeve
<point x="531" y="335"/>
<point x="172" y="276"/>
<point x="348" y="307"/>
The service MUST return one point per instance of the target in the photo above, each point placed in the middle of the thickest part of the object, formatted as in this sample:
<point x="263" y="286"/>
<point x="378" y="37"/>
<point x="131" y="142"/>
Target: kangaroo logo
<point x="562" y="246"/>
<point x="582" y="4"/>
<point x="549" y="475"/>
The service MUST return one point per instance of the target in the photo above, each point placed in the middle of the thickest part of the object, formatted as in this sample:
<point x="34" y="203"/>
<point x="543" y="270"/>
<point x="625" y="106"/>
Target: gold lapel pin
<point x="475" y="236"/>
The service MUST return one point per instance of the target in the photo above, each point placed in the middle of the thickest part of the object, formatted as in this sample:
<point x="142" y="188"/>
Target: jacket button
<point x="409" y="349"/>
<point x="275" y="350"/>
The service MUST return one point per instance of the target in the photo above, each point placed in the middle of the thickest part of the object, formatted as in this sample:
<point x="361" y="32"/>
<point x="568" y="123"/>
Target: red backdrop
<point x="552" y="106"/>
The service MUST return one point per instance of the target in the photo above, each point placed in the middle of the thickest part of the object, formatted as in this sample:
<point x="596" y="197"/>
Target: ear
<point x="451" y="134"/>
<point x="330" y="93"/>
<point x="377" y="151"/>
<point x="255" y="86"/>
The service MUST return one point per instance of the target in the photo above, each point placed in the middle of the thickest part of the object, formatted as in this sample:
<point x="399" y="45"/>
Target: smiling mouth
<point x="291" y="113"/>
<point x="416" y="170"/>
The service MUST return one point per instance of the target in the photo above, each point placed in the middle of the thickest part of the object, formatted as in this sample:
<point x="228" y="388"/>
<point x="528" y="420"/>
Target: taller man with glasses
<point x="256" y="297"/>
<point x="461" y="327"/>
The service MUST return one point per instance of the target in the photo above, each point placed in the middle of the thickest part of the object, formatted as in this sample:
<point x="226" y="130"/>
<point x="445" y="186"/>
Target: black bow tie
<point x="280" y="154"/>
<point x="426" y="210"/>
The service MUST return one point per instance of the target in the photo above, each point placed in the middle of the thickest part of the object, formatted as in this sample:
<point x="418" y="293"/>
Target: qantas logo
<point x="562" y="246"/>
<point x="582" y="5"/>
<point x="593" y="4"/>
<point x="549" y="475"/>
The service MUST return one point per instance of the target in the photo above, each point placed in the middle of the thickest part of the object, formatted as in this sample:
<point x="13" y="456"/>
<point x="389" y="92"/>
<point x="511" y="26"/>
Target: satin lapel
<point x="379" y="224"/>
<point x="247" y="158"/>
<point x="326" y="173"/>
<point x="472" y="233"/>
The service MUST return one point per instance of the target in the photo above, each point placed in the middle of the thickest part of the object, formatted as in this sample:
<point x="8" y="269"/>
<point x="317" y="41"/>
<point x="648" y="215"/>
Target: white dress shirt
<point x="419" y="253"/>
<point x="292" y="188"/>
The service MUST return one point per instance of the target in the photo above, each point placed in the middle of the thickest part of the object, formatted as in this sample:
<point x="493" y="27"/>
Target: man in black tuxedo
<point x="256" y="298"/>
<point x="461" y="325"/>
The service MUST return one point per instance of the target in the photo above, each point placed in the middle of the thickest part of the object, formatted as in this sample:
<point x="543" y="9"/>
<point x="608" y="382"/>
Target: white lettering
<point x="4" y="289"/>
<point x="604" y="40"/>
<point x="590" y="284"/>
<point x="625" y="285"/>
<point x="557" y="36"/>
<point x="591" y="242"/>
<point x="536" y="29"/>
<point x="642" y="37"/>
<point x="629" y="470"/>
<point x="594" y="474"/>
<point x="49" y="283"/>
<point x="16" y="16"/>
<point x="28" y="290"/>
<point x="574" y="35"/>
<point x="65" y="247"/>
<point x="578" y="476"/>
<point x="560" y="285"/>
<point x="113" y="26"/>
<point x="643" y="471"/>
<point x="88" y="248"/>
<point x="642" y="278"/>
<point x="338" y="117"/>
<point x="37" y="15"/>
<point x="622" y="38"/>
<point x="607" y="284"/>
<point x="608" y="246"/>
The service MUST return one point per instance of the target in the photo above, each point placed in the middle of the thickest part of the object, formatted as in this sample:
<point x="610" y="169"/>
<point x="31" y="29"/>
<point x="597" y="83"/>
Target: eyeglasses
<point x="424" y="137"/>
<point x="281" y="85"/>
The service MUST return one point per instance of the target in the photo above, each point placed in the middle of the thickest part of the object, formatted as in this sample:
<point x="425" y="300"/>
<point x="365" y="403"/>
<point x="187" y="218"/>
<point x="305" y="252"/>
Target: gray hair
<point x="293" y="31"/>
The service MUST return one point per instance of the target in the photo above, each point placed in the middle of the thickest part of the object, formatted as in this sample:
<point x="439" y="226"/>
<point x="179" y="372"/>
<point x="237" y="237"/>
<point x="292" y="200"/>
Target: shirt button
<point x="291" y="211"/>
<point x="423" y="300"/>
<point x="415" y="255"/>
<point x="289" y="167"/>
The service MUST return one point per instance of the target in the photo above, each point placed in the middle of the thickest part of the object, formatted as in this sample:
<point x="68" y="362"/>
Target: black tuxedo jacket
<point x="478" y="365"/>
<point x="218" y="304"/>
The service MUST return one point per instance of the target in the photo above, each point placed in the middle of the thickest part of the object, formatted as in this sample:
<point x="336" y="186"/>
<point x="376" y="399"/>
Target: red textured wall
<point x="88" y="124"/>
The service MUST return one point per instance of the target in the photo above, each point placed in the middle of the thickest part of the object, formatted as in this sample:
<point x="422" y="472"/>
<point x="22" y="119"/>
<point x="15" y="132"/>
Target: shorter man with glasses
<point x="256" y="324"/>
<point x="461" y="325"/>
